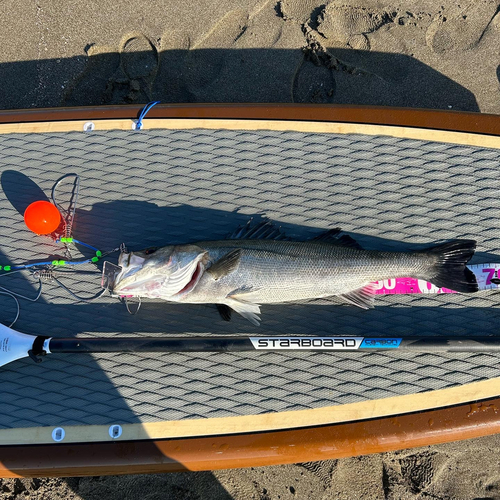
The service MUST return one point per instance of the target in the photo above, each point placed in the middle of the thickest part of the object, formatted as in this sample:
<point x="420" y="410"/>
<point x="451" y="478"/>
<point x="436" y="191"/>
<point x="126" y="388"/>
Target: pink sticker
<point x="406" y="286"/>
<point x="491" y="274"/>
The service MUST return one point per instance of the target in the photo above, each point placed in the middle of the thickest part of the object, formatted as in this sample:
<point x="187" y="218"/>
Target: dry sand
<point x="420" y="54"/>
<point x="468" y="470"/>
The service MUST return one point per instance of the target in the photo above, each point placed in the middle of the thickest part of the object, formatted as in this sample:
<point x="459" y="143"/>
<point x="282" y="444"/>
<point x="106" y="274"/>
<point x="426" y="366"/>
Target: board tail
<point x="449" y="270"/>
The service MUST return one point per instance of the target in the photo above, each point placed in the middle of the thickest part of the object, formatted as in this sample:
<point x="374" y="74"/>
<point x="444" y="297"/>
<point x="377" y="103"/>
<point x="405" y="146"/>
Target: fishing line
<point x="45" y="271"/>
<point x="69" y="219"/>
<point x="15" y="296"/>
<point x="79" y="297"/>
<point x="18" y="306"/>
<point x="21" y="296"/>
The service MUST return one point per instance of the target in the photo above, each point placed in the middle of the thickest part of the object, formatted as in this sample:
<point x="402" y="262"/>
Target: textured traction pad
<point x="161" y="187"/>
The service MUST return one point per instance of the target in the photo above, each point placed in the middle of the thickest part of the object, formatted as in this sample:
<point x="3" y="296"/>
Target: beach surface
<point x="416" y="54"/>
<point x="425" y="54"/>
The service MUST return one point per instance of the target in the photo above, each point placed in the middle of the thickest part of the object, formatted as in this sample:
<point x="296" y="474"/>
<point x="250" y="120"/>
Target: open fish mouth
<point x="176" y="279"/>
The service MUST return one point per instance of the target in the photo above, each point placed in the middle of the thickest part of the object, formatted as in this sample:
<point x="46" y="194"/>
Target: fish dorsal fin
<point x="264" y="230"/>
<point x="347" y="241"/>
<point x="363" y="297"/>
<point x="332" y="236"/>
<point x="248" y="310"/>
<point x="225" y="265"/>
<point x="224" y="311"/>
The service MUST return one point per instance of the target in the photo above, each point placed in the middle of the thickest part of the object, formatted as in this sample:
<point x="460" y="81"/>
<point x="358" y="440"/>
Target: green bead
<point x="99" y="253"/>
<point x="6" y="268"/>
<point x="61" y="263"/>
<point x="64" y="240"/>
<point x="95" y="259"/>
<point x="1" y="268"/>
<point x="55" y="262"/>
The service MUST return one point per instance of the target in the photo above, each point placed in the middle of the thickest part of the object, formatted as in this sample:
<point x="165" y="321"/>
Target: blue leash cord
<point x="59" y="262"/>
<point x="144" y="112"/>
<point x="85" y="245"/>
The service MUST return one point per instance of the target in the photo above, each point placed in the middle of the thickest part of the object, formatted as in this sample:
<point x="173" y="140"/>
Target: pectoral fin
<point x="225" y="265"/>
<point x="363" y="297"/>
<point x="248" y="310"/>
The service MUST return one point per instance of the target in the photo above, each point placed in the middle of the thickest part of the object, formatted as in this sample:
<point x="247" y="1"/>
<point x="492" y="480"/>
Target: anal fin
<point x="363" y="297"/>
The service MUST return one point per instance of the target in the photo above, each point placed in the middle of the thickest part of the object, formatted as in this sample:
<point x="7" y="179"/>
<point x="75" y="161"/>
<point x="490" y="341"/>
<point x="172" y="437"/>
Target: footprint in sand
<point x="89" y="87"/>
<point x="463" y="29"/>
<point x="411" y="473"/>
<point x="116" y="77"/>
<point x="297" y="10"/>
<point x="133" y="82"/>
<point x="347" y="26"/>
<point x="313" y="84"/>
<point x="170" y="79"/>
<point x="328" y="27"/>
<point x="323" y="470"/>
<point x="332" y="26"/>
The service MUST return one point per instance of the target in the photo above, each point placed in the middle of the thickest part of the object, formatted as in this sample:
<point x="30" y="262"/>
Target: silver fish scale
<point x="159" y="187"/>
<point x="284" y="271"/>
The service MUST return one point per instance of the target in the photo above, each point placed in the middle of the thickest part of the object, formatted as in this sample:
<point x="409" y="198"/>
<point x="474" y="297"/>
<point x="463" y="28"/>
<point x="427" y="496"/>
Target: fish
<point x="258" y="264"/>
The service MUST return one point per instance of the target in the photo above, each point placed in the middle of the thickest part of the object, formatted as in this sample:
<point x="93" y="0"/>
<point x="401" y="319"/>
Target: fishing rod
<point x="16" y="345"/>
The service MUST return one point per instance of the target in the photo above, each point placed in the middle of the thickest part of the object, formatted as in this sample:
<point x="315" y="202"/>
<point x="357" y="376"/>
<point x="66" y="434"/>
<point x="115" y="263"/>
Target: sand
<point x="423" y="53"/>
<point x="468" y="470"/>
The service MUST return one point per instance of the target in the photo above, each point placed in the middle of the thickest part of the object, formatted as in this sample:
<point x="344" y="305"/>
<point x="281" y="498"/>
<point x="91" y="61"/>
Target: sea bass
<point x="260" y="265"/>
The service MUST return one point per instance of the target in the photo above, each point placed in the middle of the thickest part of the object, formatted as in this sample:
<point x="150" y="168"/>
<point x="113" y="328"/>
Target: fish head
<point x="166" y="272"/>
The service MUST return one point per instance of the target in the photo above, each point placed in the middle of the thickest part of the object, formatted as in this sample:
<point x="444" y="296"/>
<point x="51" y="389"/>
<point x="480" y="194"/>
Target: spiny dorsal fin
<point x="225" y="265"/>
<point x="363" y="297"/>
<point x="332" y="236"/>
<point x="264" y="230"/>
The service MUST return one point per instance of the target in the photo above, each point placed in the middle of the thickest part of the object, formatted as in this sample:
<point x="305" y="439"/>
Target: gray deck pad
<point x="161" y="187"/>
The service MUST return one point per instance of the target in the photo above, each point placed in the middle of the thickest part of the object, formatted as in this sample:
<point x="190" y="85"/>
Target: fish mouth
<point x="132" y="283"/>
<point x="129" y="264"/>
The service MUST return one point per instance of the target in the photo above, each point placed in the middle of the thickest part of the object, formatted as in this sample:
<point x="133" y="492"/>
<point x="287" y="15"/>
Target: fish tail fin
<point x="449" y="269"/>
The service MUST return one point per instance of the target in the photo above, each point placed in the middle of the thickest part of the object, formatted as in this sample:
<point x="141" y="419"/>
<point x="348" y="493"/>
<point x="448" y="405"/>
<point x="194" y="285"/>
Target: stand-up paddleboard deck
<point x="157" y="187"/>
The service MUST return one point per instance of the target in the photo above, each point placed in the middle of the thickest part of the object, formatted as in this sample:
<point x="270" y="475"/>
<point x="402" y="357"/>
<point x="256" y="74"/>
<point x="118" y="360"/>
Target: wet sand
<point x="414" y="54"/>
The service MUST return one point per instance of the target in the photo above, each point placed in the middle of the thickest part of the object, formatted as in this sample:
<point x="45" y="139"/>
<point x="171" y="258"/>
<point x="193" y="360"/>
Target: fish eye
<point x="150" y="250"/>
